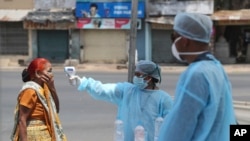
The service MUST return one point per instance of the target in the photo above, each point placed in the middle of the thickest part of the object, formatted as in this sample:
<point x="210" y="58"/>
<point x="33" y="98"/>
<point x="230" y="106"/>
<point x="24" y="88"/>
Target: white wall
<point x="50" y="4"/>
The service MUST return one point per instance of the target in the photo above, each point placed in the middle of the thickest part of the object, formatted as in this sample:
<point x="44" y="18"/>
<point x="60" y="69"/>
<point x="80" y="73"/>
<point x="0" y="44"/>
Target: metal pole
<point x="132" y="43"/>
<point x="70" y="47"/>
<point x="148" y="39"/>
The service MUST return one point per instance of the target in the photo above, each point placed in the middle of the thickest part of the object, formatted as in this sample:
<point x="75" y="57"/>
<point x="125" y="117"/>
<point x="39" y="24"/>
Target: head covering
<point x="193" y="26"/>
<point x="149" y="68"/>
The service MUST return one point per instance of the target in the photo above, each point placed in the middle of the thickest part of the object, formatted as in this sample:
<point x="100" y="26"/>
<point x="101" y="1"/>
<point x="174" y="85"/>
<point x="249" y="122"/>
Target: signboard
<point x="232" y="22"/>
<point x="48" y="25"/>
<point x="163" y="8"/>
<point x="96" y="23"/>
<point x="162" y="26"/>
<point x="105" y="0"/>
<point x="107" y="9"/>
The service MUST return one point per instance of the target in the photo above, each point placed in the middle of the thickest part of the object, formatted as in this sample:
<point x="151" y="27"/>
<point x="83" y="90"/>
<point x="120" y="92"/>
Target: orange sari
<point x="51" y="124"/>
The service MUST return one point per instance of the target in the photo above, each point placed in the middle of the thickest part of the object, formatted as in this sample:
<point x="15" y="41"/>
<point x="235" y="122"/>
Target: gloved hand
<point x="75" y="80"/>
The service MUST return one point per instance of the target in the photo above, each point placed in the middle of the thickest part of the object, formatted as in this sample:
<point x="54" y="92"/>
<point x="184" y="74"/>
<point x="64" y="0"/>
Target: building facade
<point x="104" y="29"/>
<point x="232" y="27"/>
<point x="160" y="20"/>
<point x="61" y="30"/>
<point x="13" y="38"/>
<point x="56" y="31"/>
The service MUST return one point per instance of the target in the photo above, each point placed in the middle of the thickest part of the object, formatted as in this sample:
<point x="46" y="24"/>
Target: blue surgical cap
<point x="193" y="26"/>
<point x="149" y="68"/>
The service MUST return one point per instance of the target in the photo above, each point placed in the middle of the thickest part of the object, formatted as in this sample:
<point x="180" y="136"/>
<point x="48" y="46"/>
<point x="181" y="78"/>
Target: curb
<point x="235" y="68"/>
<point x="242" y="103"/>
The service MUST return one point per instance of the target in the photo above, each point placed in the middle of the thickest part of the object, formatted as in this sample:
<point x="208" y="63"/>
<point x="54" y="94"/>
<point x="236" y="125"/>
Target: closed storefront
<point x="161" y="46"/>
<point x="109" y="46"/>
<point x="53" y="45"/>
<point x="49" y="33"/>
<point x="104" y="29"/>
<point x="160" y="15"/>
<point x="13" y="39"/>
<point x="161" y="30"/>
<point x="233" y="28"/>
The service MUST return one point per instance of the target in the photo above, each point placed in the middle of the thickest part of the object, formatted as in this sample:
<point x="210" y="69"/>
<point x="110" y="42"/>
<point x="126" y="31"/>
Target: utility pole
<point x="70" y="47"/>
<point x="132" y="42"/>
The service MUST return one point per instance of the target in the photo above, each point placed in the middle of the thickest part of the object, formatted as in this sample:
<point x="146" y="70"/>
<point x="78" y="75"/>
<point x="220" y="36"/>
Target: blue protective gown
<point x="135" y="106"/>
<point x="203" y="107"/>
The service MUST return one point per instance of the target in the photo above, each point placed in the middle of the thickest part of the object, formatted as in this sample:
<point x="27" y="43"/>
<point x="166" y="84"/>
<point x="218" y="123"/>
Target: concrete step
<point x="13" y="63"/>
<point x="4" y="62"/>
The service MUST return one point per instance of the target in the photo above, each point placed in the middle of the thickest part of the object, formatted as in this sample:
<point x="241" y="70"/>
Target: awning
<point x="12" y="15"/>
<point x="53" y="15"/>
<point x="161" y="20"/>
<point x="232" y="17"/>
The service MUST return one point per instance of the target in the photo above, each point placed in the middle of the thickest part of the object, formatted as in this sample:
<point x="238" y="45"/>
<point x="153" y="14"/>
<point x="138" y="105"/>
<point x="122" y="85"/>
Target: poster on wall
<point x="172" y="7"/>
<point x="106" y="0"/>
<point x="107" y="9"/>
<point x="96" y="23"/>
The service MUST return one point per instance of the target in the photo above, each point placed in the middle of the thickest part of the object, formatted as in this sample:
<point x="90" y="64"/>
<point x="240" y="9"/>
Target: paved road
<point x="242" y="109"/>
<point x="84" y="118"/>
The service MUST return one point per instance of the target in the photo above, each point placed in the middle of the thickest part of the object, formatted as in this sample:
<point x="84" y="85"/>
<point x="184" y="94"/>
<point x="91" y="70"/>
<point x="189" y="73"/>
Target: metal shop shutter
<point x="53" y="45"/>
<point x="107" y="46"/>
<point x="161" y="46"/>
<point x="13" y="39"/>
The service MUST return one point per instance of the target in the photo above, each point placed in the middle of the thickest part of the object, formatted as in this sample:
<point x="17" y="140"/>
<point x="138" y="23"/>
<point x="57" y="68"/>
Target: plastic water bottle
<point x="158" y="123"/>
<point x="119" y="131"/>
<point x="139" y="133"/>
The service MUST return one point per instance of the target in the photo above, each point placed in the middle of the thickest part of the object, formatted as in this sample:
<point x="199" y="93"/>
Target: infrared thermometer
<point x="70" y="70"/>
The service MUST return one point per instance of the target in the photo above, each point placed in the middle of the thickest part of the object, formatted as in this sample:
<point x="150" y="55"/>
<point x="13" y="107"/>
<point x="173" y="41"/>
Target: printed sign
<point x="105" y="0"/>
<point x="164" y="8"/>
<point x="94" y="23"/>
<point x="107" y="10"/>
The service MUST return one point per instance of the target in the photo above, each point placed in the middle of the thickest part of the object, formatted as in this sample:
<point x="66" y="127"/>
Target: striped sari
<point x="49" y="130"/>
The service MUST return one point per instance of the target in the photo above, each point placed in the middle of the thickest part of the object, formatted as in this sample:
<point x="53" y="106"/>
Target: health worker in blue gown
<point x="203" y="107"/>
<point x="139" y="103"/>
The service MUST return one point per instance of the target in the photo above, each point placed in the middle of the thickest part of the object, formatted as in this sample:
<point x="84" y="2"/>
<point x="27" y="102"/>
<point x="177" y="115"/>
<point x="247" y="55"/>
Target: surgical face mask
<point x="177" y="54"/>
<point x="140" y="82"/>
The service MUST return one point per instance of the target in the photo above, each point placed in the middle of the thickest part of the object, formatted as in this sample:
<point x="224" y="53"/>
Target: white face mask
<point x="140" y="82"/>
<point x="177" y="54"/>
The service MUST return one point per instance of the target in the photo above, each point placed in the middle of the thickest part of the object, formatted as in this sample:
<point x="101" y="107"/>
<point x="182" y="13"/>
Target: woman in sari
<point x="36" y="113"/>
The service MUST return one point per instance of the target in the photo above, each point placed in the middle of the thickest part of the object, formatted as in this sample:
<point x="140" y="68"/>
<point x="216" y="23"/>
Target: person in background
<point x="93" y="12"/>
<point x="36" y="113"/>
<point x="203" y="107"/>
<point x="139" y="103"/>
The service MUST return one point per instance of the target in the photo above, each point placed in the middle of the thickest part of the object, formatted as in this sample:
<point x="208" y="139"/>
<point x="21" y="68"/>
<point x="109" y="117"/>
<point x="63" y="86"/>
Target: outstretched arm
<point x="110" y="92"/>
